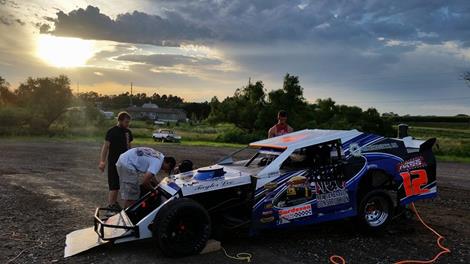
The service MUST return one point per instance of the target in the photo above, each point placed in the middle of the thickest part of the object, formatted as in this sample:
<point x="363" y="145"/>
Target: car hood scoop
<point x="209" y="173"/>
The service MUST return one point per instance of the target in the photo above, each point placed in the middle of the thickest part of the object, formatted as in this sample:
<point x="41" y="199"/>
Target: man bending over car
<point x="136" y="161"/>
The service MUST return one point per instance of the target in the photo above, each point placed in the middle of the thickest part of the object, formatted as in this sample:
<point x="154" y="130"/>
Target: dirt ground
<point x="50" y="189"/>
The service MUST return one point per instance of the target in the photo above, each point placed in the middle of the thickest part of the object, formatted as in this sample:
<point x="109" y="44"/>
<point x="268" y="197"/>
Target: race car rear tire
<point x="375" y="211"/>
<point x="182" y="228"/>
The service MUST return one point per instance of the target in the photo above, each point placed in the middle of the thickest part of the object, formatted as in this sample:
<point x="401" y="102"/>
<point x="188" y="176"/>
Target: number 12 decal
<point x="413" y="186"/>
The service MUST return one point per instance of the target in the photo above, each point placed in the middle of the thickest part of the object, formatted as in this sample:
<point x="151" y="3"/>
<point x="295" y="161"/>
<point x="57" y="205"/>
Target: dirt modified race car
<point x="301" y="178"/>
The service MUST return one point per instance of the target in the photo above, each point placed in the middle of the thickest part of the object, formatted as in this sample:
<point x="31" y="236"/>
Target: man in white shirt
<point x="140" y="160"/>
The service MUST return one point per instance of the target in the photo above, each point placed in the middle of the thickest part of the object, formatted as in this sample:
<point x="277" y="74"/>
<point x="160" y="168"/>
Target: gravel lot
<point x="50" y="189"/>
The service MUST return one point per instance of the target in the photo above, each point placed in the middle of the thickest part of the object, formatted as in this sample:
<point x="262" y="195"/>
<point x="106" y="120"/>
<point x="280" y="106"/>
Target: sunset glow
<point x="64" y="52"/>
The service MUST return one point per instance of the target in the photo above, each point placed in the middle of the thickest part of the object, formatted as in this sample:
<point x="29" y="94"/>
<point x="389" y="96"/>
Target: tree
<point x="197" y="111"/>
<point x="6" y="96"/>
<point x="325" y="110"/>
<point x="242" y="108"/>
<point x="45" y="98"/>
<point x="92" y="97"/>
<point x="291" y="99"/>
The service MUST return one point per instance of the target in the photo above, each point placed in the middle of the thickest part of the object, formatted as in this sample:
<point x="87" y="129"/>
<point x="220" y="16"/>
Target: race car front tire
<point x="182" y="228"/>
<point x="375" y="211"/>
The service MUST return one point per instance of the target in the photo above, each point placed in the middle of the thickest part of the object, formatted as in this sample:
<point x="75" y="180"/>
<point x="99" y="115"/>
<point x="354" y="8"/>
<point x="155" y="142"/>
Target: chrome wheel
<point x="376" y="211"/>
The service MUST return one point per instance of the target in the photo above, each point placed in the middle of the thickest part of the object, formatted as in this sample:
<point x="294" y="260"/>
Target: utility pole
<point x="131" y="94"/>
<point x="78" y="88"/>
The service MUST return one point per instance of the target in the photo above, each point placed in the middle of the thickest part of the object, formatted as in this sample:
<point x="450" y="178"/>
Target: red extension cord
<point x="335" y="259"/>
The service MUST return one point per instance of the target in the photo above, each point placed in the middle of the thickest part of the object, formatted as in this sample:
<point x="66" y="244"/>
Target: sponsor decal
<point x="272" y="174"/>
<point x="328" y="186"/>
<point x="331" y="193"/>
<point x="332" y="198"/>
<point x="296" y="212"/>
<point x="415" y="185"/>
<point x="213" y="185"/>
<point x="355" y="150"/>
<point x="383" y="146"/>
<point x="413" y="163"/>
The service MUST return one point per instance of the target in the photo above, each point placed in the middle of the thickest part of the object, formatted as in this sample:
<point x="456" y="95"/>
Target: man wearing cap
<point x="141" y="160"/>
<point x="281" y="128"/>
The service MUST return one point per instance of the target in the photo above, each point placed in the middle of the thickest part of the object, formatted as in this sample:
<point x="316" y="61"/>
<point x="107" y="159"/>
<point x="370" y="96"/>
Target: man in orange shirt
<point x="281" y="127"/>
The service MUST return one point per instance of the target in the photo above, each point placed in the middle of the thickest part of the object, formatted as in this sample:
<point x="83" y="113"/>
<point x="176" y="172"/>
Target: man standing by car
<point x="140" y="160"/>
<point x="117" y="141"/>
<point x="281" y="127"/>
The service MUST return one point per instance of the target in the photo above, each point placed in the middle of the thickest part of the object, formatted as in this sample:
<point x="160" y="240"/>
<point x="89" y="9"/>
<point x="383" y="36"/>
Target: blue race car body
<point x="313" y="176"/>
<point x="332" y="190"/>
<point x="301" y="178"/>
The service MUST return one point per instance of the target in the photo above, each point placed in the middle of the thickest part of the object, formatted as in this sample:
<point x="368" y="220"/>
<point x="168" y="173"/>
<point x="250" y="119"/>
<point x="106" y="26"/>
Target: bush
<point x="13" y="121"/>
<point x="13" y="116"/>
<point x="237" y="135"/>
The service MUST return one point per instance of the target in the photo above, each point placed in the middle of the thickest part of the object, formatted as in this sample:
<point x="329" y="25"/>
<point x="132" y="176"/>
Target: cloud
<point x="135" y="27"/>
<point x="168" y="60"/>
<point x="351" y="23"/>
<point x="352" y="51"/>
<point x="10" y="20"/>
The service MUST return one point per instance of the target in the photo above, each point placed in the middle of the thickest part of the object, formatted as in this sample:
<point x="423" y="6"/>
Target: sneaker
<point x="113" y="209"/>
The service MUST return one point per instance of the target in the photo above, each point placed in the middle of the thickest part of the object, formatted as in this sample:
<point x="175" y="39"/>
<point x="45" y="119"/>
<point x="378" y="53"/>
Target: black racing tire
<point x="375" y="211"/>
<point x="155" y="139"/>
<point x="182" y="228"/>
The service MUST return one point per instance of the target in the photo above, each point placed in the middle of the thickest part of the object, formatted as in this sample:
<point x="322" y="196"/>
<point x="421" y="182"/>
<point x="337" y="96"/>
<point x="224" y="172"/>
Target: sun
<point x="64" y="52"/>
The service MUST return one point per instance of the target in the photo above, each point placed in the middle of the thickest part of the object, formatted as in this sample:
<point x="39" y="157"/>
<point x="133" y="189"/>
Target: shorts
<point x="129" y="181"/>
<point x="113" y="176"/>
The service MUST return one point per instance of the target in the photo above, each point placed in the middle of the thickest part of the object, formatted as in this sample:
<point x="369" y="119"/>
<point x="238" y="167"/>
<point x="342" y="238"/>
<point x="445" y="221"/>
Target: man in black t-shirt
<point x="117" y="141"/>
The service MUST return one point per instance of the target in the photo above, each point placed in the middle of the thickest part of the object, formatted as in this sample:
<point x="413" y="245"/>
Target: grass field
<point x="453" y="139"/>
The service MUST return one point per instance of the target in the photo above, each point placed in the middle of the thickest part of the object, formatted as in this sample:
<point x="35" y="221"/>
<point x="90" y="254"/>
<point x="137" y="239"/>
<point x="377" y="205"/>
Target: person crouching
<point x="137" y="161"/>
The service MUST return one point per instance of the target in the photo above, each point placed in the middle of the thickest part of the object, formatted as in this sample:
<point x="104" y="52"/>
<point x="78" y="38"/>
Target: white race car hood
<point x="189" y="185"/>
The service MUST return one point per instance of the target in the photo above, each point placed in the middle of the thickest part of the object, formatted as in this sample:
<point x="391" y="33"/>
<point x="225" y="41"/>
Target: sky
<point x="404" y="57"/>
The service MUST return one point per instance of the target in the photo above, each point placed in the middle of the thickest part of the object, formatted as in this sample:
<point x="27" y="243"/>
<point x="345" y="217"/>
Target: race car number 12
<point x="413" y="186"/>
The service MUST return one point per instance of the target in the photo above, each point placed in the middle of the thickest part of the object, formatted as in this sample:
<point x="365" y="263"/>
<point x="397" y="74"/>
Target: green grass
<point x="453" y="144"/>
<point x="138" y="141"/>
<point x="451" y="125"/>
<point x="453" y="140"/>
<point x="151" y="142"/>
<point x="441" y="158"/>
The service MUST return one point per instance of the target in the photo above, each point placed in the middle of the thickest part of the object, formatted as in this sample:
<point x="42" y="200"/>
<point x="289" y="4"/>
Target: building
<point x="153" y="112"/>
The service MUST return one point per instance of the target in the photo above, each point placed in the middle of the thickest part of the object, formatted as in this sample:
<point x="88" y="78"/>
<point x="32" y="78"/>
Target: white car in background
<point x="166" y="135"/>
